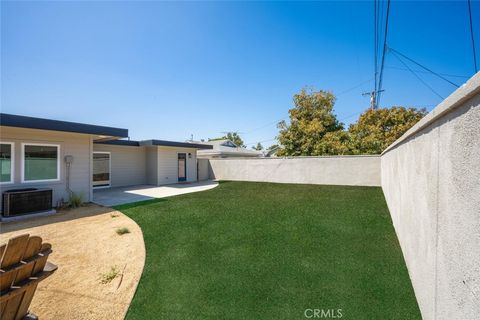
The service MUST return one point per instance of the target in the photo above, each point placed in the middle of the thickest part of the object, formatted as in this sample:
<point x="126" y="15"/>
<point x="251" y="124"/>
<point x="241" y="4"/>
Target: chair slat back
<point x="21" y="258"/>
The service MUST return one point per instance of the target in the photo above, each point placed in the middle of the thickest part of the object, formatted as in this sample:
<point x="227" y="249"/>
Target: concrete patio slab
<point x="115" y="196"/>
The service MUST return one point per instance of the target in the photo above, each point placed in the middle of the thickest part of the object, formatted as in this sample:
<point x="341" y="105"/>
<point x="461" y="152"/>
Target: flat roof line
<point x="11" y="120"/>
<point x="154" y="142"/>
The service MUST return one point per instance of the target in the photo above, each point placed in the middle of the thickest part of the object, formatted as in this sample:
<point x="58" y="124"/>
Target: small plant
<point x="75" y="200"/>
<point x="107" y="277"/>
<point x="114" y="215"/>
<point x="123" y="230"/>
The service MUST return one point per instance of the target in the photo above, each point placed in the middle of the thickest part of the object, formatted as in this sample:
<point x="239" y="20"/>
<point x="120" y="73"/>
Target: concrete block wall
<point x="431" y="182"/>
<point x="335" y="170"/>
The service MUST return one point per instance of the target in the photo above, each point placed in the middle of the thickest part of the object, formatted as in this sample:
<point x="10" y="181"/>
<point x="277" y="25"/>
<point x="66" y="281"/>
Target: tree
<point x="258" y="147"/>
<point x="232" y="136"/>
<point x="311" y="120"/>
<point x="376" y="129"/>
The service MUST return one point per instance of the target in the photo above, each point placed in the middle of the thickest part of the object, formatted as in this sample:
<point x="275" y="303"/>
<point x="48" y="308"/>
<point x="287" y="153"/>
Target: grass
<point x="107" y="277"/>
<point x="122" y="231"/>
<point x="249" y="250"/>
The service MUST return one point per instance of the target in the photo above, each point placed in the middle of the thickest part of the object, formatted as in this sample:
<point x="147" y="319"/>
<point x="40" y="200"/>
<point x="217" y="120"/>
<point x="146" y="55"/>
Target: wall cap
<point x="465" y="92"/>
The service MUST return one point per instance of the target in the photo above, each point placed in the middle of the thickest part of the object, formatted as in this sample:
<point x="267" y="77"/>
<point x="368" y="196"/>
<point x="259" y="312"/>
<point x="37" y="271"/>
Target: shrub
<point x="107" y="277"/>
<point x="121" y="231"/>
<point x="75" y="200"/>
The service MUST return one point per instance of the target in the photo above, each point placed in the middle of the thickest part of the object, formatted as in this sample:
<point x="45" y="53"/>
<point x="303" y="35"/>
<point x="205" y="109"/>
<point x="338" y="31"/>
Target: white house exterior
<point x="67" y="156"/>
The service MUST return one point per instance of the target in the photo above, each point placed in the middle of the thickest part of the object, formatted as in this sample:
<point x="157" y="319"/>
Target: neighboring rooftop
<point x="11" y="120"/>
<point x="225" y="149"/>
<point x="155" y="142"/>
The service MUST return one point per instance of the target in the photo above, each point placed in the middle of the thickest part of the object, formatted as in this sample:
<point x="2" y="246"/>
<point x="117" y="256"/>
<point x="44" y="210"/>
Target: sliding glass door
<point x="101" y="169"/>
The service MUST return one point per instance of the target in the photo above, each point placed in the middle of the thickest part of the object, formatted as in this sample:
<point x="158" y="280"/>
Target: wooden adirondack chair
<point x="23" y="265"/>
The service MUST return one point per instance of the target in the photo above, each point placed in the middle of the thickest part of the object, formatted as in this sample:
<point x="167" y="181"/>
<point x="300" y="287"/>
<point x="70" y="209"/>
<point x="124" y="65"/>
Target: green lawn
<point x="261" y="251"/>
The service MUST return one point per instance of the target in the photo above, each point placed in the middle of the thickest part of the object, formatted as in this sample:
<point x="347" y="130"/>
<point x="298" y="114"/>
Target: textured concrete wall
<point x="338" y="170"/>
<point x="203" y="172"/>
<point x="431" y="181"/>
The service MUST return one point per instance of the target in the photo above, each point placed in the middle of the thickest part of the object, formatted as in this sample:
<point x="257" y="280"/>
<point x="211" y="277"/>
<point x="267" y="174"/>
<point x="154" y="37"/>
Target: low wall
<point x="431" y="181"/>
<point x="203" y="171"/>
<point x="336" y="170"/>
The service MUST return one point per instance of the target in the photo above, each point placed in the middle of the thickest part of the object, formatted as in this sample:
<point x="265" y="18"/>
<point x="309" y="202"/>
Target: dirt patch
<point x="86" y="246"/>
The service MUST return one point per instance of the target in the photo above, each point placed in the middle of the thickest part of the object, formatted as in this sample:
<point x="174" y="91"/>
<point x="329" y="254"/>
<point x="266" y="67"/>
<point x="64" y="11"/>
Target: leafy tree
<point x="376" y="129"/>
<point x="232" y="136"/>
<point x="258" y="147"/>
<point x="311" y="119"/>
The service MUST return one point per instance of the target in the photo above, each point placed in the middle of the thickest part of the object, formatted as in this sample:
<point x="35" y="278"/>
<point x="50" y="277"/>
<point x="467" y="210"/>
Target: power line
<point x="472" y="36"/>
<point x="422" y="66"/>
<point x="416" y="75"/>
<point x="247" y="144"/>
<point x="380" y="80"/>
<point x="421" y="71"/>
<point x="375" y="44"/>
<point x="264" y="126"/>
<point x="354" y="87"/>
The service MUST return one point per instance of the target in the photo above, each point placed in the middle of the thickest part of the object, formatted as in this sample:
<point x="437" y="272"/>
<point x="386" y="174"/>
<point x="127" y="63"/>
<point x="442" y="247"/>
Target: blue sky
<point x="168" y="70"/>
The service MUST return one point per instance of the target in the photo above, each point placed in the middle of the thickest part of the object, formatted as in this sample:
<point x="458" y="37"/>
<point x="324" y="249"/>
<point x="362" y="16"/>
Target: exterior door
<point x="101" y="170"/>
<point x="182" y="167"/>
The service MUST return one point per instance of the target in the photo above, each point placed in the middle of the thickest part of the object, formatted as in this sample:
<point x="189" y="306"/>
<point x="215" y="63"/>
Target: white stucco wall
<point x="203" y="173"/>
<point x="431" y="181"/>
<point x="75" y="144"/>
<point x="335" y="170"/>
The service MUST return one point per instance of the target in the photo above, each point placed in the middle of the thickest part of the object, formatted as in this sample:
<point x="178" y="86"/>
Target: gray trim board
<point x="11" y="120"/>
<point x="175" y="144"/>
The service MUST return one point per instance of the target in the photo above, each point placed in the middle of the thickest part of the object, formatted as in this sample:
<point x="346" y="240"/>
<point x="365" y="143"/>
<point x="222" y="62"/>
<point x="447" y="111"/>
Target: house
<point x="67" y="156"/>
<point x="226" y="149"/>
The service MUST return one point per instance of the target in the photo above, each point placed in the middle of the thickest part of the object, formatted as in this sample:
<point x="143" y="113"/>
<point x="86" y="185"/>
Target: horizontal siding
<point x="128" y="164"/>
<point x="76" y="145"/>
<point x="168" y="164"/>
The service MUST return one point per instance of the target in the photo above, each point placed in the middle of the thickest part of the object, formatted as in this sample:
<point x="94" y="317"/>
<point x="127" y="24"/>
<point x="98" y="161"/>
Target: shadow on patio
<point x="122" y="195"/>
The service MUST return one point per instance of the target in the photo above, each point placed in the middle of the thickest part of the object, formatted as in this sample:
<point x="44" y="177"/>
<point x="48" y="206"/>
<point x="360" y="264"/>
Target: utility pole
<point x="373" y="98"/>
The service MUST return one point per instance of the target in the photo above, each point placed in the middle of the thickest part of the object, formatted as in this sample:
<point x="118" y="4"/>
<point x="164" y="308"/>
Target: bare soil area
<point x="98" y="269"/>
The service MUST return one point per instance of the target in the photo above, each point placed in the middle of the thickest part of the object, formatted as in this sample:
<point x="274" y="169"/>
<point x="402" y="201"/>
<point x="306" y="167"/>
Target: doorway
<point x="101" y="170"/>
<point x="182" y="167"/>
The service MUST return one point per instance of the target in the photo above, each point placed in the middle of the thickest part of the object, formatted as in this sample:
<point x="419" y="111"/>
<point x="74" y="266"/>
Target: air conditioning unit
<point x="24" y="201"/>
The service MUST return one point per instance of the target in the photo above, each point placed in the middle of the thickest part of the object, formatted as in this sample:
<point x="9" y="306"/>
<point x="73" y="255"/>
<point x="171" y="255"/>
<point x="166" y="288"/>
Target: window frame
<point x="23" y="162"/>
<point x="109" y="171"/>
<point x="12" y="162"/>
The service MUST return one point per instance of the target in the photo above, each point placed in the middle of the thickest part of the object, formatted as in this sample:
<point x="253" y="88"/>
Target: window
<point x="40" y="162"/>
<point x="6" y="162"/>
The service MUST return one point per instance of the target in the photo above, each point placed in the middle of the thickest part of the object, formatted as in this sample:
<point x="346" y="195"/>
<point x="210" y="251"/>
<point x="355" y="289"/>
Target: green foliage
<point x="310" y="120"/>
<point x="376" y="129"/>
<point x="75" y="200"/>
<point x="122" y="231"/>
<point x="314" y="129"/>
<point x="107" y="277"/>
<point x="232" y="136"/>
<point x="258" y="147"/>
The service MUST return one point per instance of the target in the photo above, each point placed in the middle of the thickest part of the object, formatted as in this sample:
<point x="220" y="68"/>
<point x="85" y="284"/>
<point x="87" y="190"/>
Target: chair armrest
<point x="50" y="267"/>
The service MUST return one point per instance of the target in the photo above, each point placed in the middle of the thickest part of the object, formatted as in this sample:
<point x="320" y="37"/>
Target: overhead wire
<point x="384" y="51"/>
<point x="472" y="36"/>
<point x="421" y="71"/>
<point x="423" y="67"/>
<point x="416" y="75"/>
